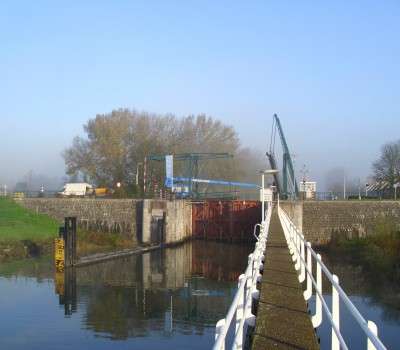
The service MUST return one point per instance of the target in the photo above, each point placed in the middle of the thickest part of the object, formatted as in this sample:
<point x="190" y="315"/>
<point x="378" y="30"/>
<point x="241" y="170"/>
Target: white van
<point x="76" y="189"/>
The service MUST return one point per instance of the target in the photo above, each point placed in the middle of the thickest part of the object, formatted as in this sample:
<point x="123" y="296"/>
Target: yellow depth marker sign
<point x="59" y="283"/>
<point x="59" y="254"/>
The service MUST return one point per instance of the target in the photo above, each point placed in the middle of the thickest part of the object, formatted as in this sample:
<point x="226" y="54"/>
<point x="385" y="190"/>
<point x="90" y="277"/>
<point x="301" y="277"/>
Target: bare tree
<point x="387" y="167"/>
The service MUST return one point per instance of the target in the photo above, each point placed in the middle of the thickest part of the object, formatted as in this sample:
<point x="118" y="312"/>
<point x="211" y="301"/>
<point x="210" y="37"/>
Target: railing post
<point x="247" y="289"/>
<point x="297" y="252"/>
<point x="218" y="327"/>
<point x="302" y="275"/>
<point x="292" y="239"/>
<point x="317" y="318"/>
<point x="240" y="314"/>
<point x="335" y="314"/>
<point x="374" y="329"/>
<point x="255" y="260"/>
<point x="308" y="291"/>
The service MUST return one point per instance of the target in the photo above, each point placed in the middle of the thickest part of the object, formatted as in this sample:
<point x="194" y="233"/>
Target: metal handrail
<point x="299" y="247"/>
<point x="247" y="291"/>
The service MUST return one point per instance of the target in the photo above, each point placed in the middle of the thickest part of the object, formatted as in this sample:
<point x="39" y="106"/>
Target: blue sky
<point x="329" y="70"/>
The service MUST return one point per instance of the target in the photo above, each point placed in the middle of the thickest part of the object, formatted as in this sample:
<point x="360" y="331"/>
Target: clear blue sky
<point x="329" y="69"/>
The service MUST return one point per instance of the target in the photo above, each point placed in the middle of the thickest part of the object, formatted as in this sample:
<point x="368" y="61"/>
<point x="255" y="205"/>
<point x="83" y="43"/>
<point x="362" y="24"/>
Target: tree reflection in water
<point x="183" y="289"/>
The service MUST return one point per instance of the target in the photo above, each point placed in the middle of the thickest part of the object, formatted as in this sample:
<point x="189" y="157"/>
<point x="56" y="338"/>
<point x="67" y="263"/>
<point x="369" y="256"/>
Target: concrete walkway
<point x="100" y="257"/>
<point x="283" y="320"/>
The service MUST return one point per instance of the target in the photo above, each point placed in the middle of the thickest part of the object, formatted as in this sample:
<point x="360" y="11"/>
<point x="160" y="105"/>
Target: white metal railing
<point x="303" y="256"/>
<point x="247" y="291"/>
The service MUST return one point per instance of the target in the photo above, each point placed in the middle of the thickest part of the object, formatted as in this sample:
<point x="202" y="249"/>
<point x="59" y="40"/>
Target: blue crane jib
<point x="170" y="182"/>
<point x="191" y="189"/>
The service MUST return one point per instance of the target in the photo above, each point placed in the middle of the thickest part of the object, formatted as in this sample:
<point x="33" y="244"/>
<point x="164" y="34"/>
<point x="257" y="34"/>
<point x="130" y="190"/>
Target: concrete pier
<point x="283" y="320"/>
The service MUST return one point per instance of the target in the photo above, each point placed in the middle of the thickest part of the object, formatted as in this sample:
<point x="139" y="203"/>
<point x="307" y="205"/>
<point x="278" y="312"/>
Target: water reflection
<point x="376" y="298"/>
<point x="376" y="289"/>
<point x="165" y="298"/>
<point x="171" y="295"/>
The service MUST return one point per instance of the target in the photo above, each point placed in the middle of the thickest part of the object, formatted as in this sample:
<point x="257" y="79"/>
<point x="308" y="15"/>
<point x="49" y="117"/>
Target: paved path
<point x="283" y="320"/>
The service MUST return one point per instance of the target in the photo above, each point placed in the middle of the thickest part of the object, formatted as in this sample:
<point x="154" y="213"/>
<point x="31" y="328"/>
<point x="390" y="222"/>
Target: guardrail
<point x="300" y="249"/>
<point x="247" y="291"/>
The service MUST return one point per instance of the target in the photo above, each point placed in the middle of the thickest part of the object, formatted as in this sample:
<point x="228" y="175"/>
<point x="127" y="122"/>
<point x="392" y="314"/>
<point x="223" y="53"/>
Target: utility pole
<point x="137" y="173"/>
<point x="344" y="181"/>
<point x="30" y="182"/>
<point x="294" y="156"/>
<point x="305" y="172"/>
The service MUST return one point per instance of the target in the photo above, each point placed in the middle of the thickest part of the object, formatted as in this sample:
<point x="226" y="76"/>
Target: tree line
<point x="117" y="145"/>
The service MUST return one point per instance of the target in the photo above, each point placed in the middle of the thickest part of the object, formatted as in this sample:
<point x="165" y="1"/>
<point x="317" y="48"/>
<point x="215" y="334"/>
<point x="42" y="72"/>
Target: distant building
<point x="308" y="190"/>
<point x="382" y="189"/>
<point x="3" y="191"/>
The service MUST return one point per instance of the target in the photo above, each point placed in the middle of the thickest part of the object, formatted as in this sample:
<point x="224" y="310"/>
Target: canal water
<point x="164" y="299"/>
<point x="376" y="298"/>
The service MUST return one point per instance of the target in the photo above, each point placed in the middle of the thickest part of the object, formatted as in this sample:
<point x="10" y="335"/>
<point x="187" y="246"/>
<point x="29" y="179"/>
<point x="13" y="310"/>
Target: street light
<point x="344" y="181"/>
<point x="30" y="182"/>
<point x="137" y="173"/>
<point x="265" y="172"/>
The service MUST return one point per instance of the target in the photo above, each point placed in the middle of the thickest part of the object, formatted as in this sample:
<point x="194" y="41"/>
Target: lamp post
<point x="265" y="172"/>
<point x="294" y="156"/>
<point x="344" y="181"/>
<point x="30" y="182"/>
<point x="137" y="173"/>
<point x="305" y="171"/>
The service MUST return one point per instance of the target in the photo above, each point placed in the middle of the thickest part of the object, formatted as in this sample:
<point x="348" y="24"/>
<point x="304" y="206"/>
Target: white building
<point x="308" y="190"/>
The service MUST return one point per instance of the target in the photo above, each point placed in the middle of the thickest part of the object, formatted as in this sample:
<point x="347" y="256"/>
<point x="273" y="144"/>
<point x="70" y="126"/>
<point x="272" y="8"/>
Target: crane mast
<point x="289" y="187"/>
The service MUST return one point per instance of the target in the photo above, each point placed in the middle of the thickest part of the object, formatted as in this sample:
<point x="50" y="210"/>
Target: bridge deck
<point x="283" y="320"/>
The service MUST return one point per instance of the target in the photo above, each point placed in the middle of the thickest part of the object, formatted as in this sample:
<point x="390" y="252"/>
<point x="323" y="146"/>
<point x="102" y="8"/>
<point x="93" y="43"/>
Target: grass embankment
<point x="26" y="234"/>
<point x="23" y="233"/>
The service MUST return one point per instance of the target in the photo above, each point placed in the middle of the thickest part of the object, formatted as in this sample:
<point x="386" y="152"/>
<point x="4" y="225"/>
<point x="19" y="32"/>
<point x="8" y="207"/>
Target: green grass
<point x="17" y="223"/>
<point x="26" y="234"/>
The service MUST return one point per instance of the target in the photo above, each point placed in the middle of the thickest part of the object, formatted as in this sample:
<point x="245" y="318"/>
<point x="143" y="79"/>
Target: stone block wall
<point x="146" y="221"/>
<point x="319" y="221"/>
<point x="95" y="214"/>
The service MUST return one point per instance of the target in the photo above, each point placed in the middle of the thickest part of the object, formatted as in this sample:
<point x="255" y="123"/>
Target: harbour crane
<point x="188" y="187"/>
<point x="287" y="188"/>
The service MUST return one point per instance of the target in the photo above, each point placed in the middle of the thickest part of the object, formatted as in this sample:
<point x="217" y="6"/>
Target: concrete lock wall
<point x="146" y="221"/>
<point x="166" y="221"/>
<point x="320" y="221"/>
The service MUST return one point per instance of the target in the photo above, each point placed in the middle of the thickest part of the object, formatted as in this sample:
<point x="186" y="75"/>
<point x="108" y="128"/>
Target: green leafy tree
<point x="118" y="142"/>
